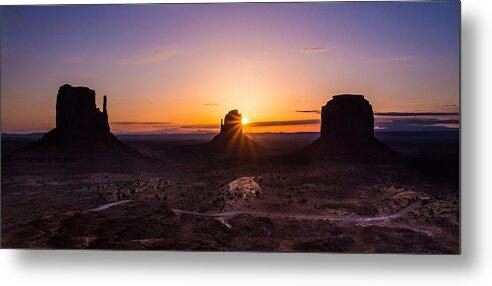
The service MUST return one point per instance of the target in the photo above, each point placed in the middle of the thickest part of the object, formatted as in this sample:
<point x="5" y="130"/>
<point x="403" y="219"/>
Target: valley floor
<point x="335" y="207"/>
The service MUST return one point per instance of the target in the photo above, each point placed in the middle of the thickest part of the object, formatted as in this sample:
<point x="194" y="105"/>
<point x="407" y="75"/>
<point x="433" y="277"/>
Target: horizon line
<point x="440" y="129"/>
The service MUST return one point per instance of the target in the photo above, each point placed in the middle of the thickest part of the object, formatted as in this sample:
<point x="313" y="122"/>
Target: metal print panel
<point x="276" y="127"/>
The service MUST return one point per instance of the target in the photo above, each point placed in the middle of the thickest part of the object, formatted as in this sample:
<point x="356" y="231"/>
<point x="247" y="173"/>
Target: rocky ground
<point x="225" y="205"/>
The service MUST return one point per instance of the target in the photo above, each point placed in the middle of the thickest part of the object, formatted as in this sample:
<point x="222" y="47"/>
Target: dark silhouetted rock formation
<point x="231" y="138"/>
<point x="347" y="133"/>
<point x="77" y="114"/>
<point x="232" y="123"/>
<point x="80" y="125"/>
<point x="347" y="117"/>
<point x="81" y="138"/>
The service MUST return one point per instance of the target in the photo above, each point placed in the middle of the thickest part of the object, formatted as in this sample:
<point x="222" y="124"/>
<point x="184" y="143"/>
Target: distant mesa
<point x="82" y="132"/>
<point x="77" y="114"/>
<point x="347" y="117"/>
<point x="231" y="125"/>
<point x="80" y="125"/>
<point x="347" y="132"/>
<point x="231" y="138"/>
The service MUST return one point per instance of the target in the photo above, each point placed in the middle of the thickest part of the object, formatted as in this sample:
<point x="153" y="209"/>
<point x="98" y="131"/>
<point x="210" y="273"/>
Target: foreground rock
<point x="81" y="139"/>
<point x="347" y="133"/>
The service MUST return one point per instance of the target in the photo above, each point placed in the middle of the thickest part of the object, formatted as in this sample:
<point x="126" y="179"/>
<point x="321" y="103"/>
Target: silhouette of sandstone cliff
<point x="80" y="125"/>
<point x="231" y="138"/>
<point x="347" y="117"/>
<point x="80" y="140"/>
<point x="231" y="124"/>
<point x="77" y="114"/>
<point x="347" y="133"/>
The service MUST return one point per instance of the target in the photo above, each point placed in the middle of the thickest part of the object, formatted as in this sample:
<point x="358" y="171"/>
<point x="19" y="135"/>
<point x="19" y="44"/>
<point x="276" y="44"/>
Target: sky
<point x="179" y="68"/>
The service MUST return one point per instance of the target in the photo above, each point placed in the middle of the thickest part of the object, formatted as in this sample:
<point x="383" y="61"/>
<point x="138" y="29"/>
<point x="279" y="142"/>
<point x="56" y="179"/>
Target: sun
<point x="245" y="121"/>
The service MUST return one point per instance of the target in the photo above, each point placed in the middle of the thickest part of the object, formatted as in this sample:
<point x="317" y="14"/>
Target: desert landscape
<point x="272" y="127"/>
<point x="193" y="195"/>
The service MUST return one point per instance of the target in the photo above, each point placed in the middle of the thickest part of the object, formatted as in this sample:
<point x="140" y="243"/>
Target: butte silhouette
<point x="231" y="138"/>
<point x="347" y="132"/>
<point x="80" y="125"/>
<point x="82" y="133"/>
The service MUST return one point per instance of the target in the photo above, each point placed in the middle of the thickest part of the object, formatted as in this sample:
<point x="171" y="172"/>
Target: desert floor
<point x="196" y="202"/>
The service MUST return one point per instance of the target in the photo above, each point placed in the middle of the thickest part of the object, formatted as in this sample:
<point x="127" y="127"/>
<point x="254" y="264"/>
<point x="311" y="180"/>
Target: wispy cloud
<point x="309" y="111"/>
<point x="200" y="126"/>
<point x="257" y="124"/>
<point x="415" y="123"/>
<point x="140" y="123"/>
<point x="211" y="104"/>
<point x="392" y="59"/>
<point x="283" y="123"/>
<point x="424" y="121"/>
<point x="416" y="114"/>
<point x="151" y="131"/>
<point x="152" y="57"/>
<point x="311" y="50"/>
<point x="318" y="49"/>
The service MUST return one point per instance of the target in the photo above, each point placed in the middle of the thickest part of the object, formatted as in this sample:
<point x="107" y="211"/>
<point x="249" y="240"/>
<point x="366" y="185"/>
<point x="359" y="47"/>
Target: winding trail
<point x="107" y="206"/>
<point x="98" y="209"/>
<point x="224" y="216"/>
